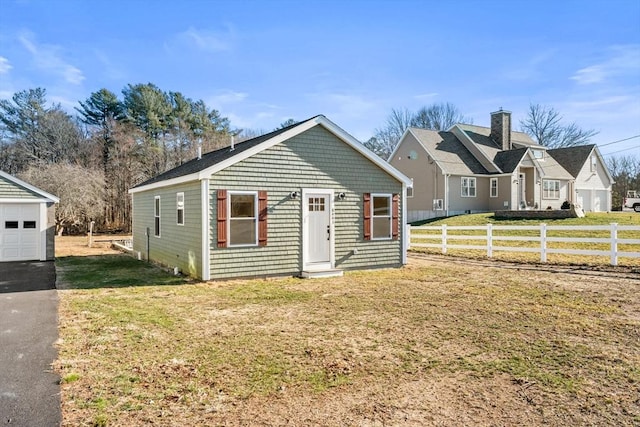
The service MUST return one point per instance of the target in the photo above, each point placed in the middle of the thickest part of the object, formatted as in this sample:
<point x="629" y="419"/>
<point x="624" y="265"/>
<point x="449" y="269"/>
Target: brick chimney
<point x="501" y="128"/>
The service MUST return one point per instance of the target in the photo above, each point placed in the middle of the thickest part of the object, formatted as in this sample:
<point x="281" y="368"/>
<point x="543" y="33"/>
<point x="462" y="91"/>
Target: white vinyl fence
<point x="420" y="237"/>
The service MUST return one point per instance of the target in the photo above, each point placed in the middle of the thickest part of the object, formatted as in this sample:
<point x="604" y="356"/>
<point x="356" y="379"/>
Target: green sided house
<point x="27" y="221"/>
<point x="307" y="200"/>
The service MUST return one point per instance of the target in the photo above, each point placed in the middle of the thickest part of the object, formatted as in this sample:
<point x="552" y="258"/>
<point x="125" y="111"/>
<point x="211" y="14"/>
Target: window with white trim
<point x="550" y="189"/>
<point x="381" y="216"/>
<point x="180" y="208"/>
<point x="243" y="218"/>
<point x="156" y="216"/>
<point x="594" y="163"/>
<point x="493" y="187"/>
<point x="538" y="154"/>
<point x="468" y="187"/>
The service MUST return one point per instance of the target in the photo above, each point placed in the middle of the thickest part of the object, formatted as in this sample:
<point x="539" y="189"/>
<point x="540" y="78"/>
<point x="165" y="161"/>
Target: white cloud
<point x="204" y="40"/>
<point x="228" y="97"/>
<point x="622" y="60"/>
<point x="424" y="96"/>
<point x="4" y="65"/>
<point x="47" y="57"/>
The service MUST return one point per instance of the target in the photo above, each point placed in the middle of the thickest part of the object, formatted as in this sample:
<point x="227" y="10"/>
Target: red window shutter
<point x="222" y="218"/>
<point x="394" y="217"/>
<point x="367" y="216"/>
<point x="262" y="218"/>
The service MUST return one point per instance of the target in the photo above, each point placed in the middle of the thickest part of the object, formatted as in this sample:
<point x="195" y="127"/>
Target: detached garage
<point x="27" y="221"/>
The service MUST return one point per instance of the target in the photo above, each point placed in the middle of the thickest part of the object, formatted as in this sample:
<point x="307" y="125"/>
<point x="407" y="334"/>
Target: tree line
<point x="92" y="158"/>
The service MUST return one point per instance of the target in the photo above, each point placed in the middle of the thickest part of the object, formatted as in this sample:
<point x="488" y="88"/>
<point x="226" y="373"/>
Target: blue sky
<point x="262" y="62"/>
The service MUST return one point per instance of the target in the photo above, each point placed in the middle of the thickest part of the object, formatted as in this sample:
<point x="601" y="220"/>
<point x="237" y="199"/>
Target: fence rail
<point x="538" y="234"/>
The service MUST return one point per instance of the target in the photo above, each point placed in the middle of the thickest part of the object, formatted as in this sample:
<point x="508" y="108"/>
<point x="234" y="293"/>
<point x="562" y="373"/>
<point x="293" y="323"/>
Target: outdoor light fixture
<point x="294" y="195"/>
<point x="341" y="196"/>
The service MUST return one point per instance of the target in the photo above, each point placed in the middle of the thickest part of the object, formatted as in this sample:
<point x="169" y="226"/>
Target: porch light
<point x="341" y="196"/>
<point x="293" y="195"/>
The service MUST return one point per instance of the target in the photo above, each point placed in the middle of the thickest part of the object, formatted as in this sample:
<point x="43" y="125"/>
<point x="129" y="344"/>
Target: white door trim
<point x="306" y="266"/>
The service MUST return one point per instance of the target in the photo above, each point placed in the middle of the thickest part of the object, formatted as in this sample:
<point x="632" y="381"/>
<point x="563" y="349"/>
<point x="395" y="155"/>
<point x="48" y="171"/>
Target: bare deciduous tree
<point x="386" y="138"/>
<point x="435" y="117"/>
<point x="80" y="191"/>
<point x="625" y="171"/>
<point x="439" y="117"/>
<point x="544" y="125"/>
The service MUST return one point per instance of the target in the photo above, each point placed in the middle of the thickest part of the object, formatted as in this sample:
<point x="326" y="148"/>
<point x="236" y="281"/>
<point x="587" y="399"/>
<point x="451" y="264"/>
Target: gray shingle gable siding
<point x="572" y="158"/>
<point x="11" y="190"/>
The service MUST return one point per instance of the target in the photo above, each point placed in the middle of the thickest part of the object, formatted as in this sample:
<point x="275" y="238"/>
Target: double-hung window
<point x="381" y="216"/>
<point x="243" y="218"/>
<point x="468" y="187"/>
<point x="180" y="208"/>
<point x="493" y="187"/>
<point x="156" y="216"/>
<point x="550" y="189"/>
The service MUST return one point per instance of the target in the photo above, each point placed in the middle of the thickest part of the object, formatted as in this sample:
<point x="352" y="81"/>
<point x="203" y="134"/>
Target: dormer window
<point x="538" y="154"/>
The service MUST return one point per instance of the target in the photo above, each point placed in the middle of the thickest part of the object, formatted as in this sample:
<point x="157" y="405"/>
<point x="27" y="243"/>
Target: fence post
<point x="543" y="242"/>
<point x="489" y="240"/>
<point x="614" y="243"/>
<point x="444" y="238"/>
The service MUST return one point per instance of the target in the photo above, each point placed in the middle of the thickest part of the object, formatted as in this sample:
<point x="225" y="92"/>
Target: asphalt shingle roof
<point x="508" y="160"/>
<point x="214" y="157"/>
<point x="572" y="158"/>
<point x="449" y="152"/>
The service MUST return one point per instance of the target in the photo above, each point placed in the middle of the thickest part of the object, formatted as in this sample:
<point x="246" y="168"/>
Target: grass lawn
<point x="599" y="218"/>
<point x="434" y="343"/>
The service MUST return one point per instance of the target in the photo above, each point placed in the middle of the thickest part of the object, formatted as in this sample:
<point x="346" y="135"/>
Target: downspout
<point x="446" y="194"/>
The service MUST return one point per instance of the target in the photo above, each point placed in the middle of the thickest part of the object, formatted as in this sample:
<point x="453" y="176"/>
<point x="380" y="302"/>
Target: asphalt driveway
<point x="29" y="390"/>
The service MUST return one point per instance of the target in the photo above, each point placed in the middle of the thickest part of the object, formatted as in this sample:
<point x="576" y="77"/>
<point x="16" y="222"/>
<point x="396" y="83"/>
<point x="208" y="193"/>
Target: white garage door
<point x="584" y="200"/>
<point x="600" y="201"/>
<point x="19" y="231"/>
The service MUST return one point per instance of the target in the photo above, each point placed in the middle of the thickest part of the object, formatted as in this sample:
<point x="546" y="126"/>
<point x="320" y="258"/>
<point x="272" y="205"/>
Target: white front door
<point x="317" y="229"/>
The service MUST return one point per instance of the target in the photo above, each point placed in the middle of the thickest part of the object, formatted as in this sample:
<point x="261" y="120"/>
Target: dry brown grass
<point x="79" y="245"/>
<point x="440" y="342"/>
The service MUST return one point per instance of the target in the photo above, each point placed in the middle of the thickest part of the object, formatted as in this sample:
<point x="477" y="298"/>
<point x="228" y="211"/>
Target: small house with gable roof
<point x="307" y="200"/>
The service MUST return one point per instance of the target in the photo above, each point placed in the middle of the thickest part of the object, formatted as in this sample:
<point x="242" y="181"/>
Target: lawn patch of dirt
<point x="79" y="245"/>
<point x="439" y="342"/>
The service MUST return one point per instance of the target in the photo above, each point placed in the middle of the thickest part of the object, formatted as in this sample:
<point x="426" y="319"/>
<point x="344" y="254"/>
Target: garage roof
<point x="43" y="195"/>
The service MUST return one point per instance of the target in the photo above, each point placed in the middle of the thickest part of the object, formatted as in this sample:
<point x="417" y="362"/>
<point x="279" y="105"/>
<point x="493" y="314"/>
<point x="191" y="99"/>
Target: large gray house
<point x="478" y="169"/>
<point x="306" y="200"/>
<point x="27" y="221"/>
